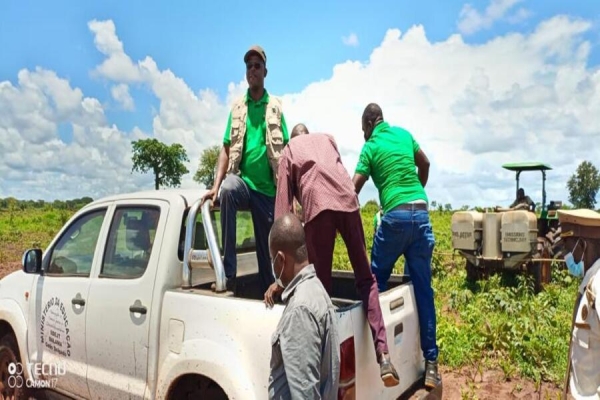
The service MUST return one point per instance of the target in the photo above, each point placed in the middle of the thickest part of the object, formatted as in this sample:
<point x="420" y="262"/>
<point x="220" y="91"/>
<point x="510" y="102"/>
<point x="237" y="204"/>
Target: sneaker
<point x="432" y="377"/>
<point x="389" y="376"/>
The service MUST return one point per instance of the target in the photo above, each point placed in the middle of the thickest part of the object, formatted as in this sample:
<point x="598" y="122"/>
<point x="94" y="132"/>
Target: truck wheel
<point x="12" y="379"/>
<point x="197" y="387"/>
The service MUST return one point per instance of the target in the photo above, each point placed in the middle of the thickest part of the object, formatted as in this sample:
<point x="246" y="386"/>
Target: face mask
<point x="575" y="269"/>
<point x="277" y="279"/>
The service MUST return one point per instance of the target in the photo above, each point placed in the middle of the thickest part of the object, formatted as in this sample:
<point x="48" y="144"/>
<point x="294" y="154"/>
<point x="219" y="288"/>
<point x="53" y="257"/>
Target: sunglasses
<point x="255" y="65"/>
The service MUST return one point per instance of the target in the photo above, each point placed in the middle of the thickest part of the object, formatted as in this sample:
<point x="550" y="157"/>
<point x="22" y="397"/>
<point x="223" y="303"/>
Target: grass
<point x="496" y="323"/>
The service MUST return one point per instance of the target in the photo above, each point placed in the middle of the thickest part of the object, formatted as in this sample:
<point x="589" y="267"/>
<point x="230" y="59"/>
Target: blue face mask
<point x="575" y="269"/>
<point x="277" y="279"/>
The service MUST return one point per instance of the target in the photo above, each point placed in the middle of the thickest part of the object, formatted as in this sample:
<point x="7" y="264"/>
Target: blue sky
<point x="202" y="43"/>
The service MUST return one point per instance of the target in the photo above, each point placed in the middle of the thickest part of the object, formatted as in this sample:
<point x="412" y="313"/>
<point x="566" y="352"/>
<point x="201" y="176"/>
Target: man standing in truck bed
<point x="247" y="168"/>
<point x="390" y="155"/>
<point x="311" y="170"/>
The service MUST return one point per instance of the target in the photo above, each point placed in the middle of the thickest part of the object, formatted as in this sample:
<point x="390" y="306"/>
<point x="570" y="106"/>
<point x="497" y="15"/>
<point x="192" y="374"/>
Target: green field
<point x="494" y="324"/>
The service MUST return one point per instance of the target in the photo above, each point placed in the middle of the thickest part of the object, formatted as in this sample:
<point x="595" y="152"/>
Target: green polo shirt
<point x="255" y="169"/>
<point x="389" y="157"/>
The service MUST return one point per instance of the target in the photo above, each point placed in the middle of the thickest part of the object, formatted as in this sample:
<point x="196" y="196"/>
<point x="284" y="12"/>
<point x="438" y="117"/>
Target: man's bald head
<point x="372" y="113"/>
<point x="287" y="236"/>
<point x="372" y="116"/>
<point x="299" y="129"/>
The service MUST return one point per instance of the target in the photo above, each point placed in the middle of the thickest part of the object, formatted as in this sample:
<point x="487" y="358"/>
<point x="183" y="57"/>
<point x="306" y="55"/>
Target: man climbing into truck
<point x="400" y="170"/>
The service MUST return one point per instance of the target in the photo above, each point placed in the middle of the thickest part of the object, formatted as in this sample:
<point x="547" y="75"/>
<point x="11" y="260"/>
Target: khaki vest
<point x="273" y="137"/>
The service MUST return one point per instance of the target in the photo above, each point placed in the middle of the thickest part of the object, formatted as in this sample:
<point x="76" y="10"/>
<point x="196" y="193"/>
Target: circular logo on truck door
<point x="54" y="328"/>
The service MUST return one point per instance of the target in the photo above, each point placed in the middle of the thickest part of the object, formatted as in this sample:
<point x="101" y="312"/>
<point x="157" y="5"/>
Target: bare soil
<point x="8" y="267"/>
<point x="468" y="384"/>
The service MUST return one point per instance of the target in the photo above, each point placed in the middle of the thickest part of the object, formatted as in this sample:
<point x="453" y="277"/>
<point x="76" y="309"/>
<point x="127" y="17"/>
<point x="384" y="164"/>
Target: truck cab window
<point x="73" y="254"/>
<point x="245" y="241"/>
<point x="130" y="242"/>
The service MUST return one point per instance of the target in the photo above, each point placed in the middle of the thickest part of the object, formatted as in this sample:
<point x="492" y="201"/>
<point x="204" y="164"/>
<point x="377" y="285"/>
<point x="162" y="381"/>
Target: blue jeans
<point x="236" y="195"/>
<point x="409" y="233"/>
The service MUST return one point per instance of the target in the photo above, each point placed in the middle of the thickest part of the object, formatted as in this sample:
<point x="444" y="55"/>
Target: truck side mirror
<point x="32" y="261"/>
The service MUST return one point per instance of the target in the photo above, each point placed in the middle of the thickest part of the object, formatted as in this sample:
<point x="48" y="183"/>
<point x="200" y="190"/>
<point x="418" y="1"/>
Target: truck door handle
<point x="138" y="309"/>
<point x="78" y="301"/>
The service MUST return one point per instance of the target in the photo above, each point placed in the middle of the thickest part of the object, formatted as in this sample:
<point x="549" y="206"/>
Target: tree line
<point x="10" y="203"/>
<point x="166" y="163"/>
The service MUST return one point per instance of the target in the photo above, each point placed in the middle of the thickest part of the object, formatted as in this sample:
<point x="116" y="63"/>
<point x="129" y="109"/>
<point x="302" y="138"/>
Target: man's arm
<point x="301" y="351"/>
<point x="359" y="181"/>
<point x="284" y="130"/>
<point x="422" y="163"/>
<point x="363" y="169"/>
<point x="222" y="164"/>
<point x="284" y="197"/>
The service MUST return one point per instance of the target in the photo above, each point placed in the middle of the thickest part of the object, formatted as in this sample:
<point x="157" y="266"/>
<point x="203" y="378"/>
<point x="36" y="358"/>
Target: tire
<point x="541" y="271"/>
<point x="197" y="387"/>
<point x="474" y="273"/>
<point x="9" y="386"/>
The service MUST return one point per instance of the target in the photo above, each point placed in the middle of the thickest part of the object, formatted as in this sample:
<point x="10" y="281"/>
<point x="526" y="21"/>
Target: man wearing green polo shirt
<point x="246" y="175"/>
<point x="391" y="156"/>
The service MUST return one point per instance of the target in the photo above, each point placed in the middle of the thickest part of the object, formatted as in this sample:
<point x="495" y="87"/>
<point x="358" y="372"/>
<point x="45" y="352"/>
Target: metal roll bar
<point x="213" y="246"/>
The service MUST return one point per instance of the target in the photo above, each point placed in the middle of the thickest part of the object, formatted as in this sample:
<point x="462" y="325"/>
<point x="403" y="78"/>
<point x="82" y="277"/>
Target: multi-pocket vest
<point x="273" y="135"/>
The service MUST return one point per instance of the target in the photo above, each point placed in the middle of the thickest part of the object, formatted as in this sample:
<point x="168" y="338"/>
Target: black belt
<point x="411" y="207"/>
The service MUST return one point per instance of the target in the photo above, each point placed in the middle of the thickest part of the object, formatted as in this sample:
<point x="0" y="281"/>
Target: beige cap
<point x="256" y="49"/>
<point x="583" y="217"/>
<point x="582" y="223"/>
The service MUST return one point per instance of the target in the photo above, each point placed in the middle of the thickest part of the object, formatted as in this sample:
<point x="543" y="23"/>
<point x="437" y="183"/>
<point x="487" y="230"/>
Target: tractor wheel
<point x="541" y="271"/>
<point x="474" y="273"/>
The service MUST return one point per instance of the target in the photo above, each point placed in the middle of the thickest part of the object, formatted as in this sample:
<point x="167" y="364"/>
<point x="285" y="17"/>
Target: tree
<point x="583" y="186"/>
<point x="166" y="162"/>
<point x="208" y="166"/>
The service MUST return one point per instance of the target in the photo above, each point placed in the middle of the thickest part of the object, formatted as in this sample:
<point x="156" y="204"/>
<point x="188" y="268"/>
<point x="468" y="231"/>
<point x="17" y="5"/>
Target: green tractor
<point x="517" y="238"/>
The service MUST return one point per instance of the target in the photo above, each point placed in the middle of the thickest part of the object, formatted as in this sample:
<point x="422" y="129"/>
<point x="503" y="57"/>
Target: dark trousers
<point x="320" y="240"/>
<point x="236" y="195"/>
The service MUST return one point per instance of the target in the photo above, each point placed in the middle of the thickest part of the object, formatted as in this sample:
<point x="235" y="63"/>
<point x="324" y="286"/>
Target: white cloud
<point x="350" y="40"/>
<point x="471" y="107"/>
<point x="519" y="16"/>
<point x="471" y="20"/>
<point x="118" y="66"/>
<point x="121" y="95"/>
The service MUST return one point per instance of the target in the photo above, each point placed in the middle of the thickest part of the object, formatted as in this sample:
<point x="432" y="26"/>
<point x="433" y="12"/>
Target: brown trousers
<point x="320" y="240"/>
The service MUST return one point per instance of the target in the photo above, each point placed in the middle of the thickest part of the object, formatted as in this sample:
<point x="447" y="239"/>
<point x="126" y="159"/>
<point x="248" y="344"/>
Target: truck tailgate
<point x="401" y="321"/>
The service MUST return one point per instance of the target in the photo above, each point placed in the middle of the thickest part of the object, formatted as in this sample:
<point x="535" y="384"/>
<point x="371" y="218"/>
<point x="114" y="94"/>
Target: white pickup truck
<point x="129" y="301"/>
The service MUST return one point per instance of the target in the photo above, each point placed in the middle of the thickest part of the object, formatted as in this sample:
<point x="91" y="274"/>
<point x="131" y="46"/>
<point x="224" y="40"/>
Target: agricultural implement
<point x="509" y="238"/>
